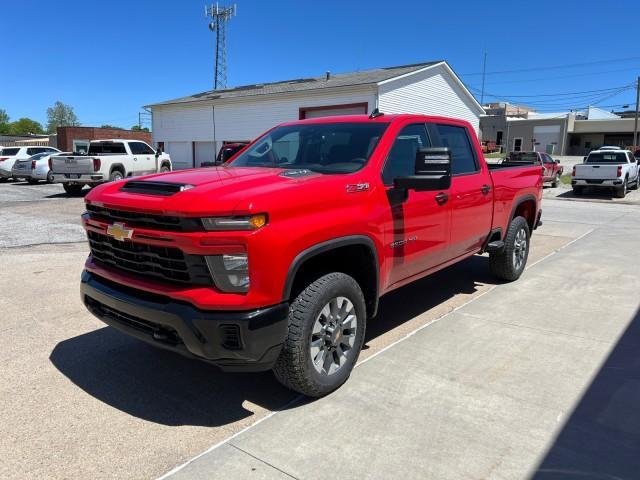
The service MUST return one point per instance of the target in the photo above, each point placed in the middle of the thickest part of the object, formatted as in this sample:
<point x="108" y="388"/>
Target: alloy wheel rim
<point x="333" y="336"/>
<point x="519" y="249"/>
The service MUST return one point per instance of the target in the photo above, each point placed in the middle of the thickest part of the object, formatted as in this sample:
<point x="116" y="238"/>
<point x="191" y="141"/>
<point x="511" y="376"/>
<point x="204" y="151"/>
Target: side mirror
<point x="584" y="159"/>
<point x="432" y="171"/>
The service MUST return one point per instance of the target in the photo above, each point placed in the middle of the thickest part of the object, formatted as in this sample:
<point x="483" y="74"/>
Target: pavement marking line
<point x="373" y="355"/>
<point x="262" y="461"/>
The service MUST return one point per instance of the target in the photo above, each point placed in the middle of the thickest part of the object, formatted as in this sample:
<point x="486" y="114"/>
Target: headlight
<point x="250" y="222"/>
<point x="230" y="272"/>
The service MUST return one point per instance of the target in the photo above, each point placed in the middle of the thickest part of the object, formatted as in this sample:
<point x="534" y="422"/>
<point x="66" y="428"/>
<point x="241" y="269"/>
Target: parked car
<point x="277" y="259"/>
<point x="552" y="170"/>
<point x="9" y="155"/>
<point x="106" y="161"/>
<point x="617" y="169"/>
<point x="35" y="168"/>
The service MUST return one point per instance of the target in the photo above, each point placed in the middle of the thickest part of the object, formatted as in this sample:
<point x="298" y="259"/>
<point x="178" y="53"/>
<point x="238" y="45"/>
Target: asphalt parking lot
<point x="535" y="378"/>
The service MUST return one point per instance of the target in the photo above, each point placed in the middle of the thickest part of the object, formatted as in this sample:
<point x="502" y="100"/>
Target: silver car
<point x="34" y="168"/>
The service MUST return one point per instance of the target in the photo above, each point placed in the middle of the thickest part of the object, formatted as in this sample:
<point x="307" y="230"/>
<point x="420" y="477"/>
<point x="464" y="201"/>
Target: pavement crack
<point x="263" y="461"/>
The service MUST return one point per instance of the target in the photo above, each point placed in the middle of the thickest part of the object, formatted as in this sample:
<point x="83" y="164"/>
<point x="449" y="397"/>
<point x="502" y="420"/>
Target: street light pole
<point x="635" y="123"/>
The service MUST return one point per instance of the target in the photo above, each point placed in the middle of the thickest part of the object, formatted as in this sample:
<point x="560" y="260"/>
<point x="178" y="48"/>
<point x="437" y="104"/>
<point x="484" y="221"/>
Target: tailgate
<point x="72" y="164"/>
<point x="22" y="165"/>
<point x="596" y="172"/>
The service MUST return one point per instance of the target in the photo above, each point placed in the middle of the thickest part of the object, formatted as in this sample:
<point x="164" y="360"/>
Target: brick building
<point x="76" y="139"/>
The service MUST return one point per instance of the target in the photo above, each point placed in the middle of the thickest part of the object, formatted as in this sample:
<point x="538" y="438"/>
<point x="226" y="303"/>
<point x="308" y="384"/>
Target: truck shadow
<point x="165" y="388"/>
<point x="601" y="437"/>
<point x="590" y="194"/>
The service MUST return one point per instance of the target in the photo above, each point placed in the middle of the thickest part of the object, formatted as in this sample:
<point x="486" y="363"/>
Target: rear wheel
<point x="32" y="181"/>
<point x="115" y="176"/>
<point x="326" y="333"/>
<point x="556" y="180"/>
<point x="72" y="188"/>
<point x="50" y="177"/>
<point x="621" y="191"/>
<point x="510" y="262"/>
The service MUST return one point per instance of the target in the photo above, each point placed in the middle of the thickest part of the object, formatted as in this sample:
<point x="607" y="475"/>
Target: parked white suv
<point x="107" y="160"/>
<point x="617" y="169"/>
<point x="8" y="156"/>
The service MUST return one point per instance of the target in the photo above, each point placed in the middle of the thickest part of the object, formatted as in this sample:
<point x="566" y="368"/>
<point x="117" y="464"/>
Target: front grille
<point x="161" y="333"/>
<point x="161" y="263"/>
<point x="145" y="220"/>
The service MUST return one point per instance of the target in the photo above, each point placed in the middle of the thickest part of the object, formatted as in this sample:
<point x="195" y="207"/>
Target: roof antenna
<point x="375" y="114"/>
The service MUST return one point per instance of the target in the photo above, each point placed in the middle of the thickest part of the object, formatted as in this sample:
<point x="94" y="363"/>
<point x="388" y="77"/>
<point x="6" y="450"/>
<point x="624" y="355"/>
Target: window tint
<point x="402" y="157"/>
<point x="102" y="148"/>
<point x="10" y="151"/>
<point x="609" y="157"/>
<point x="139" y="148"/>
<point x="462" y="157"/>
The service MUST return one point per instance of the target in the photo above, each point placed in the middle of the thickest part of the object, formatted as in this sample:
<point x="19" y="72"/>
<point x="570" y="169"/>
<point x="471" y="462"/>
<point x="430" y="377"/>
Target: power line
<point x="586" y="74"/>
<point x="562" y="94"/>
<point x="555" y="67"/>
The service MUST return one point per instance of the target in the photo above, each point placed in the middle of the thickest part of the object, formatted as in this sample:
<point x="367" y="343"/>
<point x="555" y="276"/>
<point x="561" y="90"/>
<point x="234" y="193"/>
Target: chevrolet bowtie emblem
<point x="120" y="232"/>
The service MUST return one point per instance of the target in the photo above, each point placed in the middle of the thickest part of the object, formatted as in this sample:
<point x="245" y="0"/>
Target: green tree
<point x="110" y="126"/>
<point x="25" y="126"/>
<point x="4" y="117"/>
<point x="60" y="115"/>
<point x="137" y="128"/>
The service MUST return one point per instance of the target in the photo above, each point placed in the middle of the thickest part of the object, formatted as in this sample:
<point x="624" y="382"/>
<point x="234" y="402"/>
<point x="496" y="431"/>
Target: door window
<point x="402" y="157"/>
<point x="463" y="159"/>
<point x="139" y="148"/>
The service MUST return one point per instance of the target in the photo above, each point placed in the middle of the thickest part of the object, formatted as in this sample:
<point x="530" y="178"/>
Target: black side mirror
<point x="584" y="159"/>
<point x="432" y="171"/>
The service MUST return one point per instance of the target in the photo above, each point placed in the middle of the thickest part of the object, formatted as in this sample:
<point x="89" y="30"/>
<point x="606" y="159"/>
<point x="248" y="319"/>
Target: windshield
<point x="38" y="156"/>
<point x="612" y="157"/>
<point x="320" y="147"/>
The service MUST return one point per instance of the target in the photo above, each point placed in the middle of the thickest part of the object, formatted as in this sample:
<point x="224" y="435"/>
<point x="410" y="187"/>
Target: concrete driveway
<point x="80" y="400"/>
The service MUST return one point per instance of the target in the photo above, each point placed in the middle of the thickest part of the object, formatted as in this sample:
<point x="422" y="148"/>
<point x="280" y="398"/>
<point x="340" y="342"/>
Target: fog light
<point x="230" y="272"/>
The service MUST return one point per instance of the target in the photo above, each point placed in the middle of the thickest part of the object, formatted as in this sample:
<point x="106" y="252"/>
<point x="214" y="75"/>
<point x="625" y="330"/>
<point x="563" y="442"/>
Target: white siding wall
<point x="242" y="119"/>
<point x="432" y="92"/>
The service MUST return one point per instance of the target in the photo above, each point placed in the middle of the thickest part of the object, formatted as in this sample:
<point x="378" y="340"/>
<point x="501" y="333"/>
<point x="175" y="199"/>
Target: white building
<point x="192" y="129"/>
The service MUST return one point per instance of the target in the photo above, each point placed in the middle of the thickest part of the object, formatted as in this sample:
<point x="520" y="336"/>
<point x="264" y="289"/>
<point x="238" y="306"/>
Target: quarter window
<point x="402" y="157"/>
<point x="463" y="159"/>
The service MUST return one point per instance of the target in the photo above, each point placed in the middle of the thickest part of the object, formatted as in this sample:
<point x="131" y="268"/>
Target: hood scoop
<point x="298" y="173"/>
<point x="147" y="187"/>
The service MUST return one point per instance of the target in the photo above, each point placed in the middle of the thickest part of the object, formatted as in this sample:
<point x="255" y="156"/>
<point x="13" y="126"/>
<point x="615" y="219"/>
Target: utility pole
<point x="635" y="123"/>
<point x="220" y="16"/>
<point x="139" y="122"/>
<point x="484" y="72"/>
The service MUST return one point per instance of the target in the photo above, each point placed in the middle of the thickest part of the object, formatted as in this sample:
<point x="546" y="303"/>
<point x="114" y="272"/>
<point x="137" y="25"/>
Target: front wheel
<point x="636" y="184"/>
<point x="556" y="181"/>
<point x="510" y="262"/>
<point x="326" y="332"/>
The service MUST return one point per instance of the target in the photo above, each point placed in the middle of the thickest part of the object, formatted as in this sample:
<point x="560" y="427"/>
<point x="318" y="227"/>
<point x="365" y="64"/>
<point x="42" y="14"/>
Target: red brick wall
<point x="66" y="135"/>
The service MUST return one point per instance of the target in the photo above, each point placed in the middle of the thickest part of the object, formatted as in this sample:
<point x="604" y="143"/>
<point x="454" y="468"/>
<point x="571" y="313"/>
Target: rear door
<point x="471" y="198"/>
<point x="417" y="229"/>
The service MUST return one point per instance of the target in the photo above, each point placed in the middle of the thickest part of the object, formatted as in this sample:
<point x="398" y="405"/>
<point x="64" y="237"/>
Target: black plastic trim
<point x="185" y="329"/>
<point x="325" y="247"/>
<point x="520" y="201"/>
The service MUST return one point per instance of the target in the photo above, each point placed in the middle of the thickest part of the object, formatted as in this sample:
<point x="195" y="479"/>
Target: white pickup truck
<point x="106" y="161"/>
<point x="607" y="168"/>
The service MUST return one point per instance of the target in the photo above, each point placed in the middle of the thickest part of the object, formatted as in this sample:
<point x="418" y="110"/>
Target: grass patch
<point x="566" y="179"/>
<point x="495" y="155"/>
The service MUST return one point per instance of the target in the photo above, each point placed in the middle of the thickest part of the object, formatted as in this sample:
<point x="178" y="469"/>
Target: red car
<point x="278" y="259"/>
<point x="551" y="169"/>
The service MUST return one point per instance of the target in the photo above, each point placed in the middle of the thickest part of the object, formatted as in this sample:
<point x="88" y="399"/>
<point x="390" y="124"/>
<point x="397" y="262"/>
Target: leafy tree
<point x="4" y="117"/>
<point x="111" y="126"/>
<point x="25" y="126"/>
<point x="60" y="115"/>
<point x="137" y="128"/>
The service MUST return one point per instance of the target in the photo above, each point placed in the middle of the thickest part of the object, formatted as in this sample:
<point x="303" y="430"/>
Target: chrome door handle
<point x="442" y="198"/>
<point x="485" y="189"/>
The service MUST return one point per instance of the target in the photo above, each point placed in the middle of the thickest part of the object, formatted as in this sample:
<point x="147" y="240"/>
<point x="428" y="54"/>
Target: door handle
<point x="135" y="159"/>
<point x="485" y="189"/>
<point x="442" y="198"/>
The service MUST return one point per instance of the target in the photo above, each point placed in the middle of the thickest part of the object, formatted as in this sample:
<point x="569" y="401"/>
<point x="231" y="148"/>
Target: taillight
<point x="2" y="159"/>
<point x="573" y="172"/>
<point x="33" y="164"/>
<point x="96" y="164"/>
<point x="619" y="174"/>
<point x="50" y="163"/>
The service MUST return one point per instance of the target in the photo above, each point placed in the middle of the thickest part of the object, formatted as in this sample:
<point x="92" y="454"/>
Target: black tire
<point x="556" y="181"/>
<point x="50" y="177"/>
<point x="73" y="189"/>
<point x="621" y="192"/>
<point x="165" y="169"/>
<point x="577" y="190"/>
<point x="635" y="184"/>
<point x="116" y="175"/>
<point x="503" y="265"/>
<point x="32" y="181"/>
<point x="295" y="368"/>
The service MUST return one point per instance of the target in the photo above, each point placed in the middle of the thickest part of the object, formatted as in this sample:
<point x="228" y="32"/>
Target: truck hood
<point x="220" y="191"/>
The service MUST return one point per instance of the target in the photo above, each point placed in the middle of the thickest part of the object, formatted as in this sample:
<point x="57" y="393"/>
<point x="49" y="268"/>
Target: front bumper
<point x="234" y="341"/>
<point x="78" y="178"/>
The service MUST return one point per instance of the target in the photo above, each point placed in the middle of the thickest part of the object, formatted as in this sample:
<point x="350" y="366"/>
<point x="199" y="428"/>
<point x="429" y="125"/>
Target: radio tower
<point x="219" y="17"/>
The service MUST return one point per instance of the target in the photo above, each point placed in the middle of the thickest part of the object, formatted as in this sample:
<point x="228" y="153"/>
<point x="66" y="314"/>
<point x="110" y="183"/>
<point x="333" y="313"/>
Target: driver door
<point x="416" y="231"/>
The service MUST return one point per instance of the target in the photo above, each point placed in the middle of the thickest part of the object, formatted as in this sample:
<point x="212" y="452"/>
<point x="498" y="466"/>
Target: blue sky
<point x="107" y="59"/>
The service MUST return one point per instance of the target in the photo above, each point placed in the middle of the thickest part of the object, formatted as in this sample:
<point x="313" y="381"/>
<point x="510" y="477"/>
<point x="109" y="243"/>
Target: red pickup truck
<point x="551" y="169"/>
<point x="277" y="260"/>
